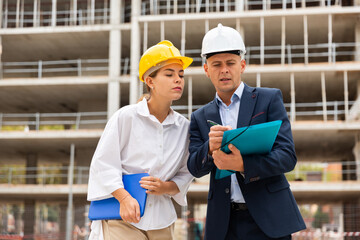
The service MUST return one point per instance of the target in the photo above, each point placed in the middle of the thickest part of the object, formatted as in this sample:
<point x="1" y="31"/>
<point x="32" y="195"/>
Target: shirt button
<point x="227" y="190"/>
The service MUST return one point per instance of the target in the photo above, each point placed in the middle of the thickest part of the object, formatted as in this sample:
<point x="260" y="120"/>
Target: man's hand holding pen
<point x="231" y="161"/>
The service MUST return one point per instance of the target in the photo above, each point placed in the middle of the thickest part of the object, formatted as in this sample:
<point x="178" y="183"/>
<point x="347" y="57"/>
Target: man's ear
<point x="243" y="65"/>
<point x="206" y="68"/>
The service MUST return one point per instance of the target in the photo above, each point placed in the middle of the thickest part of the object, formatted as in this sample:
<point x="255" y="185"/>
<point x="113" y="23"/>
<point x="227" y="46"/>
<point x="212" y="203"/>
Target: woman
<point x="145" y="137"/>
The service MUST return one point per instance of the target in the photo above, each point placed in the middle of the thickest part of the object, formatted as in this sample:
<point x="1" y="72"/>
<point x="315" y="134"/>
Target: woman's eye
<point x="181" y="76"/>
<point x="169" y="75"/>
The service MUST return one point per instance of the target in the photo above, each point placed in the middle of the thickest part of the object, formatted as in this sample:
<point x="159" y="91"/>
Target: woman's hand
<point x="129" y="206"/>
<point x="158" y="187"/>
<point x="130" y="209"/>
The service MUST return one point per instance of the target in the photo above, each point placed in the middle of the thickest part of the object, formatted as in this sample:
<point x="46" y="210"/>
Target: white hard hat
<point x="222" y="39"/>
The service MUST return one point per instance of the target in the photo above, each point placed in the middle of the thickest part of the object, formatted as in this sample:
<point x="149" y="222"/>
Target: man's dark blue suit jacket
<point x="265" y="188"/>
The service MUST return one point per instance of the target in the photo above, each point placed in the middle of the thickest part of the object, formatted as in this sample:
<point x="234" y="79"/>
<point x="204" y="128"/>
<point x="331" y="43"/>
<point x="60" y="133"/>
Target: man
<point x="255" y="203"/>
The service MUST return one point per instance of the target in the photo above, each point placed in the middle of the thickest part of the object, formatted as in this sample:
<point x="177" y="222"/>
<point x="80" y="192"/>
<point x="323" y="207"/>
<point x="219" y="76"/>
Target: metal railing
<point x="335" y="109"/>
<point x="74" y="121"/>
<point x="289" y="54"/>
<point x="75" y="67"/>
<point x="272" y="55"/>
<point x="81" y="17"/>
<point x="43" y="175"/>
<point x="325" y="172"/>
<point x="52" y="121"/>
<point x="304" y="171"/>
<point x="156" y="7"/>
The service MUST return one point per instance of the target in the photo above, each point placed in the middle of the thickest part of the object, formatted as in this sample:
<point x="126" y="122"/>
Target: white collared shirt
<point x="229" y="117"/>
<point x="135" y="142"/>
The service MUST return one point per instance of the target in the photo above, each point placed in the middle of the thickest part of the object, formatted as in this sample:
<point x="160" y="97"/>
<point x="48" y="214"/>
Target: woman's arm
<point x="157" y="187"/>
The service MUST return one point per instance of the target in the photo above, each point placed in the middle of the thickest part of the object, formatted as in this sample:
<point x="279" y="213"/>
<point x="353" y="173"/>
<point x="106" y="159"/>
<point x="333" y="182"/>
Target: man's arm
<point x="282" y="158"/>
<point x="199" y="162"/>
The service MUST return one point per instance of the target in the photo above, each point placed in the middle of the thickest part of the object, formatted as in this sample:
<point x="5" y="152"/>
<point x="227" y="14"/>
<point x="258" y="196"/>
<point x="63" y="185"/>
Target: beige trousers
<point x="120" y="230"/>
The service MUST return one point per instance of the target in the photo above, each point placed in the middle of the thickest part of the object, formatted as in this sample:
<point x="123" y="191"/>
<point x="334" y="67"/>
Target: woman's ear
<point x="150" y="82"/>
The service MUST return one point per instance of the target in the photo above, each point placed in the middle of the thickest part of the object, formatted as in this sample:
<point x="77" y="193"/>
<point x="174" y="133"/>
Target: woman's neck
<point x="159" y="108"/>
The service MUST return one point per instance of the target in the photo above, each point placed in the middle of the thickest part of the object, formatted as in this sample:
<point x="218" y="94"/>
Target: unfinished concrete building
<point x="67" y="65"/>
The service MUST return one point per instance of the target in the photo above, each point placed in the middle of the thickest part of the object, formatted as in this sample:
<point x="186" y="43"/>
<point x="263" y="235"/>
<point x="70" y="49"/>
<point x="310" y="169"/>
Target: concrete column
<point x="258" y="80"/>
<point x="162" y="30"/>
<point x="74" y="11"/>
<point x="292" y="94"/>
<point x="357" y="40"/>
<point x="183" y="37"/>
<point x="17" y="19"/>
<point x="283" y="40"/>
<point x="70" y="210"/>
<point x="145" y="37"/>
<point x="1" y="13"/>
<point x="135" y="50"/>
<point x="323" y="94"/>
<point x="346" y="95"/>
<point x="306" y="45"/>
<point x="29" y="219"/>
<point x="113" y="101"/>
<point x="356" y="151"/>
<point x="262" y="41"/>
<point x="53" y="13"/>
<point x="190" y="97"/>
<point x="1" y="68"/>
<point x="239" y="5"/>
<point x="330" y="37"/>
<point x="35" y="14"/>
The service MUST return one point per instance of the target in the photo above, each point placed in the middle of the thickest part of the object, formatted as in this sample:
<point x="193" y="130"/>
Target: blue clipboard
<point x="256" y="139"/>
<point x="109" y="208"/>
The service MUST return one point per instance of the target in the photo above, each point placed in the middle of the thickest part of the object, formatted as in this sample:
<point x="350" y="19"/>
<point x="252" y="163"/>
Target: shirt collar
<point x="143" y="110"/>
<point x="237" y="94"/>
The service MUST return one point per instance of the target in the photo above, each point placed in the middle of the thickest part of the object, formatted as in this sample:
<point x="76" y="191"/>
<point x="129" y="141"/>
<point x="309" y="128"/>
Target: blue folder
<point x="110" y="208"/>
<point x="255" y="139"/>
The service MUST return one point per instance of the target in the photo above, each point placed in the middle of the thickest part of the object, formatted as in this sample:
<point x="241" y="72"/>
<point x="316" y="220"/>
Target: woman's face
<point x="168" y="82"/>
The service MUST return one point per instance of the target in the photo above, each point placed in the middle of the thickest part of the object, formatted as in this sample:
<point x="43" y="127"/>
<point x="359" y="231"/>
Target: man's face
<point x="224" y="70"/>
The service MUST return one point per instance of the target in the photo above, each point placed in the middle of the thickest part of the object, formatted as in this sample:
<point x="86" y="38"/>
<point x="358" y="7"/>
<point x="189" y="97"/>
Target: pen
<point x="212" y="123"/>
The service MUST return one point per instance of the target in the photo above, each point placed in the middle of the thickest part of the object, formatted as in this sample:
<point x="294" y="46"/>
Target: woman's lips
<point x="177" y="88"/>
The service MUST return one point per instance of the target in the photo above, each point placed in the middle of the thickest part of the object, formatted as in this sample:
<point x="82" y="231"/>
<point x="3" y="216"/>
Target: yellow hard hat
<point x="163" y="51"/>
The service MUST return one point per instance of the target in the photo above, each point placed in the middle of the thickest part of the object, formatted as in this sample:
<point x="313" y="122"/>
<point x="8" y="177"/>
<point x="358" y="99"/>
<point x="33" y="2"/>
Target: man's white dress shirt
<point x="229" y="117"/>
<point x="134" y="141"/>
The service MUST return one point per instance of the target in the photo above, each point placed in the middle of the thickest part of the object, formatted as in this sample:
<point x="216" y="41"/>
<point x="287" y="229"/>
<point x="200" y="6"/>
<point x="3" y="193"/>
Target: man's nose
<point x="224" y="69"/>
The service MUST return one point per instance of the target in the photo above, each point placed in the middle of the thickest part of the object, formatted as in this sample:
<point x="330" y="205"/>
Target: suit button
<point x="227" y="190"/>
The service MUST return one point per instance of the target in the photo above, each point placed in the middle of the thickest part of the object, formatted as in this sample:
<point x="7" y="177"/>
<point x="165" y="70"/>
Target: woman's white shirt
<point x="134" y="141"/>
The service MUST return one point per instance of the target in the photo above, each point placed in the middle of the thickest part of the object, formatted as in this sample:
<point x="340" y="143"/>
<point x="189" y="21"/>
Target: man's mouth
<point x="224" y="79"/>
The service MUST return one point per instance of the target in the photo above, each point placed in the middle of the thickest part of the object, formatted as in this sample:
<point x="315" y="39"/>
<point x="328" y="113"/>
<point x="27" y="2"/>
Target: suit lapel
<point x="247" y="104"/>
<point x="212" y="113"/>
